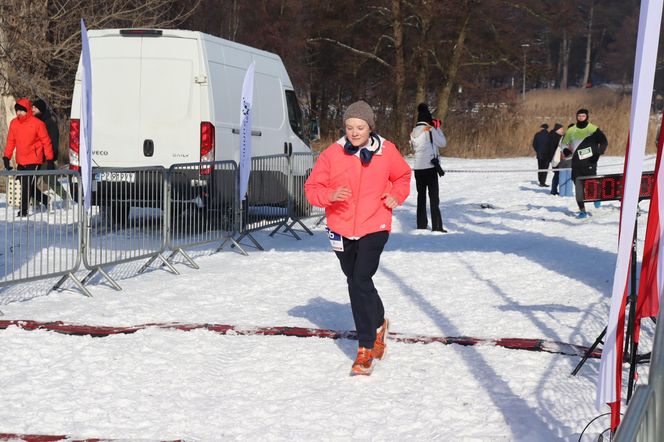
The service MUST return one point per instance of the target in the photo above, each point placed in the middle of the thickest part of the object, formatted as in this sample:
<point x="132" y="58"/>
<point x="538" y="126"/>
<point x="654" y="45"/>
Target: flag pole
<point x="609" y="383"/>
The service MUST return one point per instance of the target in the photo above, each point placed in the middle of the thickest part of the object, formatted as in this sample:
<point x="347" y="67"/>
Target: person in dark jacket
<point x="584" y="143"/>
<point x="27" y="136"/>
<point x="554" y="139"/>
<point x="541" y="148"/>
<point x="41" y="110"/>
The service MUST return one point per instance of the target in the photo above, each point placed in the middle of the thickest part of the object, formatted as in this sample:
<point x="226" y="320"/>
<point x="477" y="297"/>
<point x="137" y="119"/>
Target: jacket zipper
<point x="358" y="198"/>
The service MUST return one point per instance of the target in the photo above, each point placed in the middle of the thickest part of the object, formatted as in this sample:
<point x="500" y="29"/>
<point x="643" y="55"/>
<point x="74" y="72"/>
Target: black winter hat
<point x="583" y="111"/>
<point x="544" y="126"/>
<point x="18" y="107"/>
<point x="40" y="104"/>
<point x="423" y="113"/>
<point x="556" y="127"/>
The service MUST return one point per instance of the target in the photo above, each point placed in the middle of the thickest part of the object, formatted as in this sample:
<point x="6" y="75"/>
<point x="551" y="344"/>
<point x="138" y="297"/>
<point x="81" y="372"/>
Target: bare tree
<point x="381" y="43"/>
<point x="450" y="69"/>
<point x="589" y="44"/>
<point x="565" y="48"/>
<point x="399" y="74"/>
<point x="423" y="16"/>
<point x="40" y="41"/>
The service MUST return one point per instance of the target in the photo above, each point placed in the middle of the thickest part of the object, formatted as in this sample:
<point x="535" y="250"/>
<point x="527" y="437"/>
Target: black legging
<point x="427" y="179"/>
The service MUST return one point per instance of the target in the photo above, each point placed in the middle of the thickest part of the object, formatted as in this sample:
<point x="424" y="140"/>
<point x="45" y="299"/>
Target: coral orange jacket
<point x="365" y="211"/>
<point x="28" y="135"/>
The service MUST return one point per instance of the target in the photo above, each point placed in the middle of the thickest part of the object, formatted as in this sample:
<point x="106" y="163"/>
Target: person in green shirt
<point x="584" y="143"/>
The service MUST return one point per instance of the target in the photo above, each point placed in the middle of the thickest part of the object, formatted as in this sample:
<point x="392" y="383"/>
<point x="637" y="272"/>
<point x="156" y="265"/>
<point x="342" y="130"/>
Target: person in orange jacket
<point x="28" y="136"/>
<point x="359" y="180"/>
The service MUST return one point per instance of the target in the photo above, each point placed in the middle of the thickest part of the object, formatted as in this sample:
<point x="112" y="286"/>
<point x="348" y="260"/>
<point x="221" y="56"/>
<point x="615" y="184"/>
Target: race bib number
<point x="586" y="152"/>
<point x="336" y="240"/>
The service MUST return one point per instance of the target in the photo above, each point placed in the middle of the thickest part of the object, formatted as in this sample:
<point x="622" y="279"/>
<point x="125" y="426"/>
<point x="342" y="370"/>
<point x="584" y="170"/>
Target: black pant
<point x="359" y="262"/>
<point x="578" y="186"/>
<point x="29" y="189"/>
<point x="542" y="163"/>
<point x="427" y="179"/>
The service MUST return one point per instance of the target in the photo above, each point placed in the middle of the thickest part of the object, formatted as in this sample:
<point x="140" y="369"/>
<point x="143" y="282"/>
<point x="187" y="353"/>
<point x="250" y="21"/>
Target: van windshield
<point x="295" y="114"/>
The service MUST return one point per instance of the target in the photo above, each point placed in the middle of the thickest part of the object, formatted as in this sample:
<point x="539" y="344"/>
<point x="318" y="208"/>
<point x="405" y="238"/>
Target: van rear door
<point x="116" y="88"/>
<point x="146" y="102"/>
<point x="170" y="117"/>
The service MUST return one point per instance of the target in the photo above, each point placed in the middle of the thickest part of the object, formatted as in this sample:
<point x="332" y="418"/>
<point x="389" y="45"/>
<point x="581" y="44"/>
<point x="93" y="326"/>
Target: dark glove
<point x="567" y="152"/>
<point x="5" y="160"/>
<point x="50" y="164"/>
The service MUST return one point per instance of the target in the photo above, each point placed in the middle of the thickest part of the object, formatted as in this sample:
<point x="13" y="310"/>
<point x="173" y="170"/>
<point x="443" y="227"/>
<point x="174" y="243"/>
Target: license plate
<point x="116" y="177"/>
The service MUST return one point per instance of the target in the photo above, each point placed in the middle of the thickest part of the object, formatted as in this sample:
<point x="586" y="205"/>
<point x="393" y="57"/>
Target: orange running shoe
<point x="363" y="364"/>
<point x="379" y="345"/>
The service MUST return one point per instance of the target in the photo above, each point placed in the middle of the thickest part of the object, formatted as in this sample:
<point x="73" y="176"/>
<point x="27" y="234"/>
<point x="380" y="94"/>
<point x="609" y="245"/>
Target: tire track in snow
<point x="541" y="345"/>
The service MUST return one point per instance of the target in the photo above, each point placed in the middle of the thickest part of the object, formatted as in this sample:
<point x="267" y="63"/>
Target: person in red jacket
<point x="359" y="180"/>
<point x="28" y="136"/>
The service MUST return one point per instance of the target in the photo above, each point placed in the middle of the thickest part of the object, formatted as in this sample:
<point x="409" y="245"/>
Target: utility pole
<point x="523" y="90"/>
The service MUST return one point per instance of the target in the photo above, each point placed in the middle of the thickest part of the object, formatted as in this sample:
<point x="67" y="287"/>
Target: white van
<point x="161" y="97"/>
<point x="157" y="94"/>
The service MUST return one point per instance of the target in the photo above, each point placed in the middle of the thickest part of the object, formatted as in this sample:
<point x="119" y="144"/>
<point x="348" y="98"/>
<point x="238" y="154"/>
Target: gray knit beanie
<point x="362" y="110"/>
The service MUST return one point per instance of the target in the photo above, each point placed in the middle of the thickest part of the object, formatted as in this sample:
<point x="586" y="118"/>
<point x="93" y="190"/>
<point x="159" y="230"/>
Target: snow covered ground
<point x="515" y="264"/>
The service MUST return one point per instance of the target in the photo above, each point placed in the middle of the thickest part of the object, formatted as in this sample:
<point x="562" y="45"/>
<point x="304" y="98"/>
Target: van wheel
<point x="301" y="206"/>
<point x="188" y="218"/>
<point x="117" y="214"/>
<point x="222" y="217"/>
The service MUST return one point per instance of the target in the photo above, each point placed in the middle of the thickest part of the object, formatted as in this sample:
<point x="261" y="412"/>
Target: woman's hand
<point x="390" y="201"/>
<point x="341" y="194"/>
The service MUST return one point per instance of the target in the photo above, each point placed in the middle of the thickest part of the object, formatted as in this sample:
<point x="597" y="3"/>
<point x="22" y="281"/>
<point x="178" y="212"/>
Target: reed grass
<point x="506" y="129"/>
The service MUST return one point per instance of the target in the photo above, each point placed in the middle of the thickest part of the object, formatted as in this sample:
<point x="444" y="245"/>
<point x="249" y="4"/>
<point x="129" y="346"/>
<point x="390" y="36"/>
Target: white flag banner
<point x="85" y="140"/>
<point x="245" y="129"/>
<point x="644" y="75"/>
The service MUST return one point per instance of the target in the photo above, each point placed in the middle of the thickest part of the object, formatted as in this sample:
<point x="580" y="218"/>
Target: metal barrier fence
<point x="202" y="206"/>
<point x="41" y="229"/>
<point x="140" y="213"/>
<point x="318" y="212"/>
<point x="268" y="200"/>
<point x="300" y="166"/>
<point x="125" y="223"/>
<point x="644" y="417"/>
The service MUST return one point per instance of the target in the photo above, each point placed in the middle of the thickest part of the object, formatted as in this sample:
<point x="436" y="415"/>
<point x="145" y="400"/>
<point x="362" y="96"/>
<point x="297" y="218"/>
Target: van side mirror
<point x="314" y="130"/>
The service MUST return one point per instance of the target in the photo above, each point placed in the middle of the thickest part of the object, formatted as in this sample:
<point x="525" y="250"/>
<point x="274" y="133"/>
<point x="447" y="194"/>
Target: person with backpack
<point x="426" y="139"/>
<point x="555" y="135"/>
